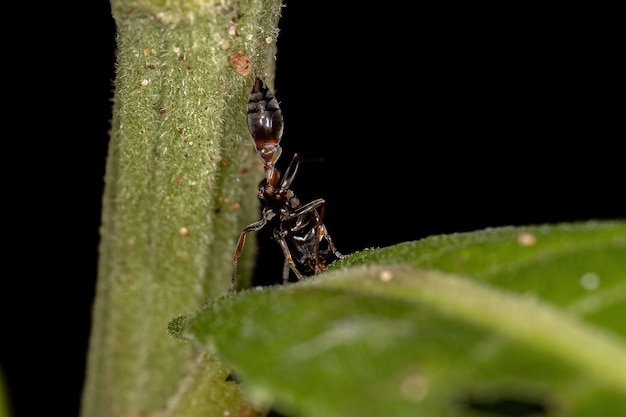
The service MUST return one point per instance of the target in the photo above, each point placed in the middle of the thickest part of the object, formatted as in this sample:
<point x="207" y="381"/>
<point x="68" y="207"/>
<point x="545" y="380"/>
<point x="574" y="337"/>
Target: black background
<point x="429" y="121"/>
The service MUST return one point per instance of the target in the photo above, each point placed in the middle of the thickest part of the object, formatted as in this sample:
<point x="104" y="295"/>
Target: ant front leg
<point x="311" y="208"/>
<point x="256" y="226"/>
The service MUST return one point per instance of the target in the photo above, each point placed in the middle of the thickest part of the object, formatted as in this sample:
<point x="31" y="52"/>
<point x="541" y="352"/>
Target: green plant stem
<point x="180" y="185"/>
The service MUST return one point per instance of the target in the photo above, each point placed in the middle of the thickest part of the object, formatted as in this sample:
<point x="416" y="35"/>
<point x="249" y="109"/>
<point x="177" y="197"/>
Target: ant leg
<point x="288" y="260"/>
<point x="290" y="172"/>
<point x="323" y="233"/>
<point x="310" y="207"/>
<point x="258" y="225"/>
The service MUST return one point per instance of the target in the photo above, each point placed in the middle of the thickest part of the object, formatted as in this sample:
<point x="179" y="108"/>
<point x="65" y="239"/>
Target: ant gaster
<point x="301" y="233"/>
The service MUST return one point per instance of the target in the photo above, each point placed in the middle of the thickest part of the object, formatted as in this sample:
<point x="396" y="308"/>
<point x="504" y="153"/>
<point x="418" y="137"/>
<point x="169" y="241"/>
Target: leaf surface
<point x="505" y="321"/>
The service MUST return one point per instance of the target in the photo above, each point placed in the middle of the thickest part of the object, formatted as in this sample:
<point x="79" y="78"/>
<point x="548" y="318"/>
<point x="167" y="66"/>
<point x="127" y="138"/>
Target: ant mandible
<point x="301" y="233"/>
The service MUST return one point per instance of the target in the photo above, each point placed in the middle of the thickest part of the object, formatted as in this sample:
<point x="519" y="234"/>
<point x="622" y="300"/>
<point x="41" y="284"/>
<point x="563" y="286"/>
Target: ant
<point x="301" y="233"/>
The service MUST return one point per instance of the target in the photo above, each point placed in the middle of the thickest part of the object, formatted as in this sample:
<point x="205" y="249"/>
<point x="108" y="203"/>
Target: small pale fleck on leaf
<point x="590" y="281"/>
<point x="414" y="387"/>
<point x="386" y="276"/>
<point x="526" y="239"/>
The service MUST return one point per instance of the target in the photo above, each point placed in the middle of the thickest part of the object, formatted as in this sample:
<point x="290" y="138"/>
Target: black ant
<point x="301" y="233"/>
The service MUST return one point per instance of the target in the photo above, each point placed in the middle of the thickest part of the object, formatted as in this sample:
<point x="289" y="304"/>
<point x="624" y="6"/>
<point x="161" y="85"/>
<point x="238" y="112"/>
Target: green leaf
<point x="506" y="321"/>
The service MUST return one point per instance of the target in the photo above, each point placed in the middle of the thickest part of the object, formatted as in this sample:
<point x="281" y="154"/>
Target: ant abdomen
<point x="265" y="122"/>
